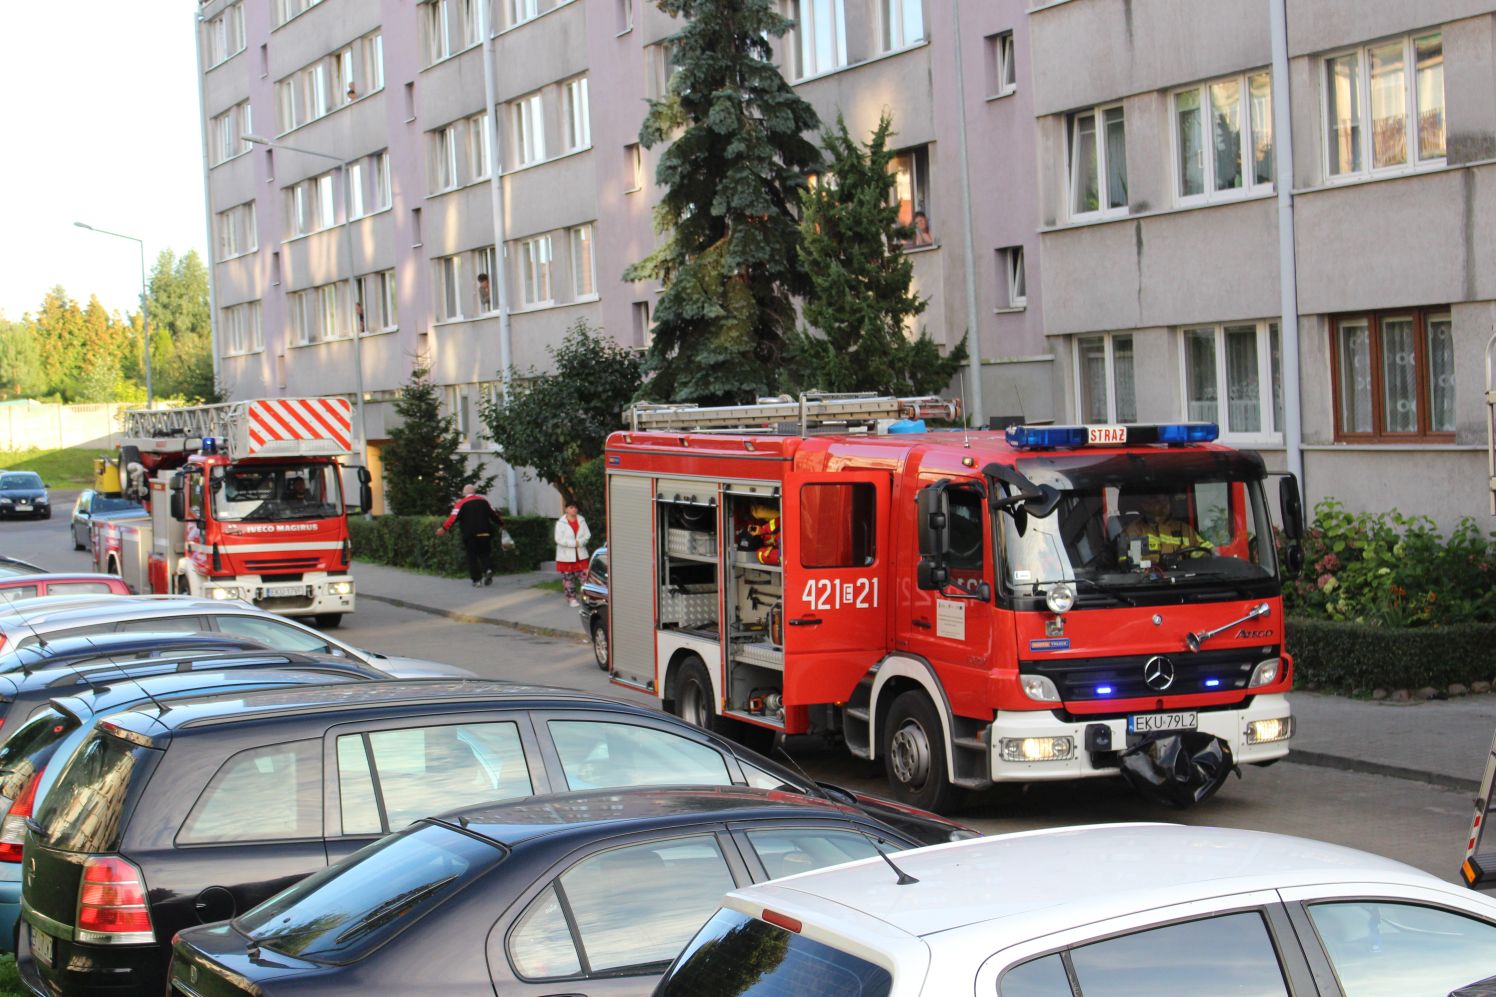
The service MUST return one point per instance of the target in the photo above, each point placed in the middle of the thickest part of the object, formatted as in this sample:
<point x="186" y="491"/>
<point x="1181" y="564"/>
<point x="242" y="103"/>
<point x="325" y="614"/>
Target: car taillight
<point x="13" y="828"/>
<point x="112" y="904"/>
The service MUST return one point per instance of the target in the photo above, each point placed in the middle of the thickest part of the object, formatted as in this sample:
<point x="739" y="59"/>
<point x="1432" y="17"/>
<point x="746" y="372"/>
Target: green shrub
<point x="411" y="542"/>
<point x="1357" y="656"/>
<point x="1393" y="571"/>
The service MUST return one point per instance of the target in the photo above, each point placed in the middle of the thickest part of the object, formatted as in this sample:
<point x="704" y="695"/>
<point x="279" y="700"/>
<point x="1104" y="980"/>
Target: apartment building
<point x="1159" y="223"/>
<point x="492" y="158"/>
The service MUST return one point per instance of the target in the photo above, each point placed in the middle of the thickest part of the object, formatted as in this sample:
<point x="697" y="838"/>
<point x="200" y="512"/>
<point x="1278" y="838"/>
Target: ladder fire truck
<point x="970" y="608"/>
<point x="243" y="501"/>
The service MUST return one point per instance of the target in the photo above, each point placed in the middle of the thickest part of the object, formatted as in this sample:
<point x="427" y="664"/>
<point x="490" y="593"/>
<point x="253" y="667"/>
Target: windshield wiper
<point x="1110" y="590"/>
<point x="1216" y="577"/>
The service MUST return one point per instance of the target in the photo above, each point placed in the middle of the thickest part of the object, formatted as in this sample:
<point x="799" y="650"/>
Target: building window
<point x="313" y="91"/>
<point x="1097" y="156"/>
<point x="236" y="231"/>
<point x="374" y="302"/>
<point x="223" y="36"/>
<point x="240" y="329"/>
<point x="459" y="153"/>
<point x="453" y="26"/>
<point x="369" y="184"/>
<point x="643" y="330"/>
<point x="1384" y="106"/>
<point x="287" y="9"/>
<point x="226" y="133"/>
<point x="529" y="130"/>
<point x="1233" y="377"/>
<point x="1014" y="275"/>
<point x="578" y="115"/>
<point x="660" y="67"/>
<point x="633" y="163"/>
<point x="583" y="281"/>
<point x="625" y="16"/>
<point x="521" y="11"/>
<point x="821" y="27"/>
<point x="911" y="193"/>
<point x="1393" y="376"/>
<point x="1223" y="133"/>
<point x="457" y="398"/>
<point x="1106" y="391"/>
<point x="484" y="264"/>
<point x="535" y="270"/>
<point x="310" y="206"/>
<point x="1002" y="72"/>
<point x="314" y="315"/>
<point x="477" y="145"/>
<point x="464" y="286"/>
<point x="903" y="23"/>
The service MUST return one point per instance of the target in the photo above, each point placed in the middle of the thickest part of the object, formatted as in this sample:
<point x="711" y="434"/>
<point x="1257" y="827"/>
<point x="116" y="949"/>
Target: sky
<point x="100" y="124"/>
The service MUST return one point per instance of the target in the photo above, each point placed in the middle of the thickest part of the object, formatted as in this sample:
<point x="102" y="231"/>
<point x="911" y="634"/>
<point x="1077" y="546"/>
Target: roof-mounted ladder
<point x="810" y="413"/>
<point x="1491" y="417"/>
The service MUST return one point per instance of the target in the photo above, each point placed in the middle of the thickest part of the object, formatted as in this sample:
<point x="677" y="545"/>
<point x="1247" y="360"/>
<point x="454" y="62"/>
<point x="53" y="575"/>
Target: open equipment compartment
<point x="690" y="556"/>
<point x="755" y="603"/>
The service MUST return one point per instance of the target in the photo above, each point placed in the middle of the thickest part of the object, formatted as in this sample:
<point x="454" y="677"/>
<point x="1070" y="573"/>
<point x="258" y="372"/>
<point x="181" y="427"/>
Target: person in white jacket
<point x="571" y="551"/>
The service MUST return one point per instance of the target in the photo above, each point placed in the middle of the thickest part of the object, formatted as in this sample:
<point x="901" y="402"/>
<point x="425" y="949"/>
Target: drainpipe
<point x="974" y="335"/>
<point x="1293" y="428"/>
<point x="212" y="259"/>
<point x="500" y="280"/>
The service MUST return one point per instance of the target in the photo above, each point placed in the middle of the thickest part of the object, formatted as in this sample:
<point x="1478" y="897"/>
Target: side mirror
<point x="364" y="477"/>
<point x="365" y="496"/>
<point x="932" y="513"/>
<point x="1291" y="507"/>
<point x="178" y="507"/>
<point x="1293" y="558"/>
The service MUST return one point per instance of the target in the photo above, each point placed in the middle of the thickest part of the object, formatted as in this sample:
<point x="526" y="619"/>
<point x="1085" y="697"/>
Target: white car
<point x="1122" y="910"/>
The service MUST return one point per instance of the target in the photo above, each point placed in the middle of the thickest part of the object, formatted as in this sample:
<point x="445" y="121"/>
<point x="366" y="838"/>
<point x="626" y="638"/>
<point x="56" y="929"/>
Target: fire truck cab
<point x="968" y="608"/>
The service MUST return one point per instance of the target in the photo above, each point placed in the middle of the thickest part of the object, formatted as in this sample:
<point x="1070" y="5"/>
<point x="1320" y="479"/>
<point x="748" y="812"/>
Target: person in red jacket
<point x="479" y="522"/>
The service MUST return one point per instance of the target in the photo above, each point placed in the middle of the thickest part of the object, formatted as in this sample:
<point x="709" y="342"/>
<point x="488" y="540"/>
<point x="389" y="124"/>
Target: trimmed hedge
<point x="1357" y="656"/>
<point x="411" y="542"/>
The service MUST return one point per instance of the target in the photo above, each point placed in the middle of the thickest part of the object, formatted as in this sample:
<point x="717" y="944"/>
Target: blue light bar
<point x="1188" y="432"/>
<point x="1045" y="437"/>
<point x="1212" y="683"/>
<point x="1103" y="690"/>
<point x="210" y="445"/>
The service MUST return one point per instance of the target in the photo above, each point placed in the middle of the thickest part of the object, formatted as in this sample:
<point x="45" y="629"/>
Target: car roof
<point x="57" y="612"/>
<point x="100" y="644"/>
<point x="619" y="811"/>
<point x="107" y="673"/>
<point x="1049" y="880"/>
<point x="392" y="696"/>
<point x="15" y="581"/>
<point x="108" y="697"/>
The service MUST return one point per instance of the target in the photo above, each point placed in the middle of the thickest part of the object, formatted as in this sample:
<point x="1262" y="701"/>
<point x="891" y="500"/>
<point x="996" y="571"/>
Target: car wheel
<point x="914" y="754"/>
<point x="76" y="544"/>
<point x="600" y="643"/>
<point x="46" y="515"/>
<point x="329" y="621"/>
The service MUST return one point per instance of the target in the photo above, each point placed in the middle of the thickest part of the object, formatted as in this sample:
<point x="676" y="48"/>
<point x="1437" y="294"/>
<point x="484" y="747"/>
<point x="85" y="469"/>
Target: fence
<point x="30" y="425"/>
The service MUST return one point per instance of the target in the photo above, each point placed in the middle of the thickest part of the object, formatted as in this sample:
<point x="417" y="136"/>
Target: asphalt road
<point x="1416" y="823"/>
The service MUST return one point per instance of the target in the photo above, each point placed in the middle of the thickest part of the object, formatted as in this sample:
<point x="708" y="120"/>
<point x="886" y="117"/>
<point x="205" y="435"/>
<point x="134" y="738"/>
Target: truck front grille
<point x="1121" y="677"/>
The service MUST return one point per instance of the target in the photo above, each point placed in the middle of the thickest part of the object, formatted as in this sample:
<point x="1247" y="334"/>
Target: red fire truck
<point x="243" y="501"/>
<point x="969" y="608"/>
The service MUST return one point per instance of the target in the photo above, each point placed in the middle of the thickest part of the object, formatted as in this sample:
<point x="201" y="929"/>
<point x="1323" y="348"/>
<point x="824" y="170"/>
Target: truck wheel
<point x="600" y="643"/>
<point x="182" y="587"/>
<point x="694" y="702"/>
<point x="76" y="544"/>
<point x="914" y="754"/>
<point x="329" y="621"/>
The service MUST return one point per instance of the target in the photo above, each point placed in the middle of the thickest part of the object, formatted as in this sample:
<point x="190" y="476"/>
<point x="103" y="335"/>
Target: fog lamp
<point x="1267" y="731"/>
<point x="1060" y="599"/>
<point x="1266" y="672"/>
<point x="221" y="592"/>
<point x="1036" y="749"/>
<point x="341" y="588"/>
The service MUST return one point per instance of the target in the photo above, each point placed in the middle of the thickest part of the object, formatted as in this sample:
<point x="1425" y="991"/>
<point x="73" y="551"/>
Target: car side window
<point x="763" y="779"/>
<point x="163" y="624"/>
<point x="671" y="886"/>
<point x="1043" y="977"/>
<point x="788" y="850"/>
<point x="78" y="588"/>
<point x="423" y="771"/>
<point x="270" y="793"/>
<point x="1379" y="948"/>
<point x="601" y="755"/>
<point x="1229" y="954"/>
<point x="273" y="633"/>
<point x="18" y="592"/>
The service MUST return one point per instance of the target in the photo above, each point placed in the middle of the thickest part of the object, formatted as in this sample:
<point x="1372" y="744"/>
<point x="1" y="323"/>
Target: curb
<point x="528" y="628"/>
<point x="1364" y="767"/>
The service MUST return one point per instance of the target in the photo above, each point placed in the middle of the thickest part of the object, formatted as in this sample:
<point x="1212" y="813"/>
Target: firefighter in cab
<point x="1156" y="531"/>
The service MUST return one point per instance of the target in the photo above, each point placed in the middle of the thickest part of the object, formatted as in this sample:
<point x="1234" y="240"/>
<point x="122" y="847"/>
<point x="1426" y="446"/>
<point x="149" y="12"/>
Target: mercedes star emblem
<point x="1158" y="673"/>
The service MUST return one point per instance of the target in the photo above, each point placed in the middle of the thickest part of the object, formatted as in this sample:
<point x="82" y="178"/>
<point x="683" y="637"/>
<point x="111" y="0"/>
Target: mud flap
<point x="1178" y="770"/>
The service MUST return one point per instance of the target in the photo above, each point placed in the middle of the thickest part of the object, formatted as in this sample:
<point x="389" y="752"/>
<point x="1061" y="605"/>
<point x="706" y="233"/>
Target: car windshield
<point x="103" y="503"/>
<point x="1125" y="524"/>
<point x="279" y="492"/>
<point x="22" y="479"/>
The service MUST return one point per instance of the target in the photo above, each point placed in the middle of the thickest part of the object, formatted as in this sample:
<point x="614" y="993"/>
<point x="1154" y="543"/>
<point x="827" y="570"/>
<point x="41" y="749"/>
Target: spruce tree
<point x="423" y="472"/>
<point x="736" y="162"/>
<point x="860" y="301"/>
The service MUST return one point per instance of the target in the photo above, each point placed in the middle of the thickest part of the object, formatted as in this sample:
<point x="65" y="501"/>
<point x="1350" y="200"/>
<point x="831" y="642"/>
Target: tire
<point x="329" y="621"/>
<point x="76" y="544"/>
<point x="182" y="587"/>
<point x="913" y="747"/>
<point x="600" y="643"/>
<point x="694" y="701"/>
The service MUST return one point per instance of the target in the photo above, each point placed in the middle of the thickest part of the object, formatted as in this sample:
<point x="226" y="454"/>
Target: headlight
<point x="1060" y="599"/>
<point x="1266" y="672"/>
<point x="1039" y="688"/>
<point x="341" y="588"/>
<point x="1267" y="731"/>
<point x="1036" y="749"/>
<point x="221" y="592"/>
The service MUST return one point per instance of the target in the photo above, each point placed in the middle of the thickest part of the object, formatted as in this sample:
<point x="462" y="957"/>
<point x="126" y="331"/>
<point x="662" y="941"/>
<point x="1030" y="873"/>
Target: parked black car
<point x="594" y="600"/>
<point x="23" y="493"/>
<point x="210" y="807"/>
<point x="65" y="652"/>
<point x="92" y="505"/>
<point x="586" y="893"/>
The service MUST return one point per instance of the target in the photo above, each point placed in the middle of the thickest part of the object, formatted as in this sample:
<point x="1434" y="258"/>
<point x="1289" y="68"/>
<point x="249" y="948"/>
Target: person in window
<point x="358" y="315"/>
<point x="485" y="295"/>
<point x="1156" y="530"/>
<point x="922" y="234"/>
<point x="296" y="491"/>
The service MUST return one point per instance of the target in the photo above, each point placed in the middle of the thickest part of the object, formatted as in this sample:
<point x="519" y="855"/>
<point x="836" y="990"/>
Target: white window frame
<point x="1005" y="64"/>
<point x="1271" y="432"/>
<point x="477" y="146"/>
<point x="583" y="238"/>
<point x="285" y="10"/>
<point x="806" y="40"/>
<point x="635" y="163"/>
<point x="227" y="131"/>
<point x="529" y="130"/>
<point x="448" y="286"/>
<point x="444" y="159"/>
<point x="484" y="260"/>
<point x="1109" y="339"/>
<point x="892" y="15"/>
<point x="438" y="26"/>
<point x="236" y="232"/>
<point x="1416" y="163"/>
<point x="242" y="334"/>
<point x="521" y="11"/>
<point x="537" y="288"/>
<point x="1015" y="269"/>
<point x="1209" y="193"/>
<point x="577" y="109"/>
<point x="223" y="36"/>
<point x="377" y="287"/>
<point x="1103" y="199"/>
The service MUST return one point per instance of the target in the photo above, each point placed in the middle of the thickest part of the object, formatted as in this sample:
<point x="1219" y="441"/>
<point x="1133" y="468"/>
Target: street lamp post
<point x="358" y="344"/>
<point x="145" y="313"/>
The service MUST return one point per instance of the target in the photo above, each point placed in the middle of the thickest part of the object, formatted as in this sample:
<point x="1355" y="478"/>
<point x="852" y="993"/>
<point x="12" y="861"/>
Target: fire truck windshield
<point x="279" y="492"/>
<point x="1129" y="526"/>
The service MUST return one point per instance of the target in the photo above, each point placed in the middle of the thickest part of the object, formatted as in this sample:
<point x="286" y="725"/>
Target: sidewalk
<point x="1442" y="743"/>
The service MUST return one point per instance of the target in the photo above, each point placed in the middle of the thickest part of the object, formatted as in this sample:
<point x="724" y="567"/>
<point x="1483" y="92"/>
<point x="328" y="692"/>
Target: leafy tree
<point x="557" y="423"/>
<point x="860" y="300"/>
<point x="20" y="362"/>
<point x="181" y="333"/>
<point x="736" y="161"/>
<point x="423" y="472"/>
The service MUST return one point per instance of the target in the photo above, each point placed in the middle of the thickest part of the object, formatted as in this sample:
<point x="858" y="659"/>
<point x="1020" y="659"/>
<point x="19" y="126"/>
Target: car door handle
<point x="922" y="624"/>
<point x="806" y="621"/>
